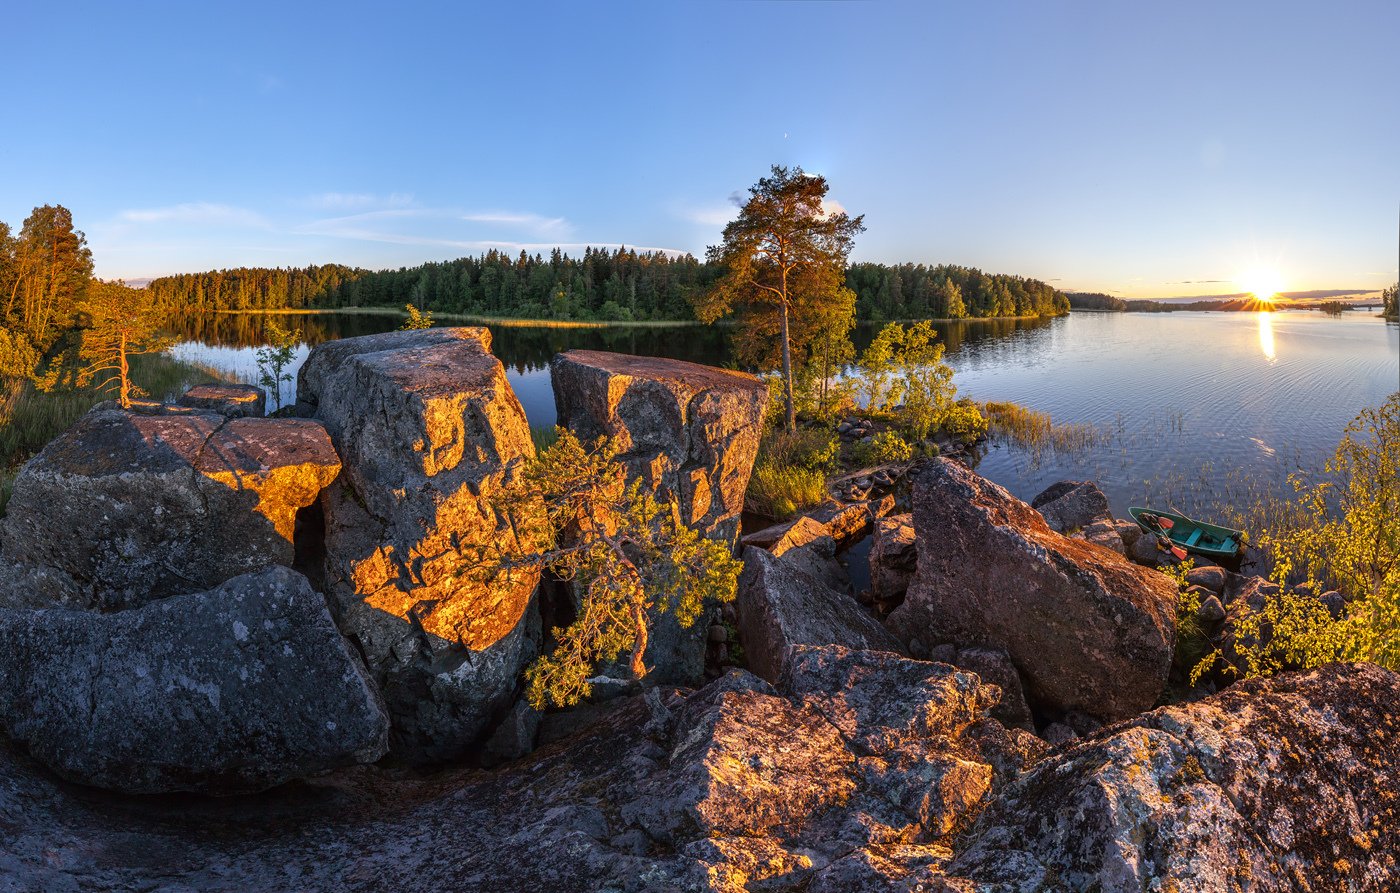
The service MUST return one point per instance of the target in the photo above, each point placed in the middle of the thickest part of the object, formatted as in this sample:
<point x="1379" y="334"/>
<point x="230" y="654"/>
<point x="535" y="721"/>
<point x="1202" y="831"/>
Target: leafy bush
<point x="963" y="421"/>
<point x="902" y="375"/>
<point x="417" y="319"/>
<point x="1346" y="534"/>
<point x="781" y="491"/>
<point x="887" y="446"/>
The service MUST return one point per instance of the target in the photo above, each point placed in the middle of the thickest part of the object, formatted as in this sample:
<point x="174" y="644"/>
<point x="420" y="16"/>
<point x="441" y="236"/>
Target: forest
<point x="603" y="285"/>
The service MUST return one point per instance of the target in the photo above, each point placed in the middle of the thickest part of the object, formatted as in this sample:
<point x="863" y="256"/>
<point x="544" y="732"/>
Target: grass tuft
<point x="781" y="491"/>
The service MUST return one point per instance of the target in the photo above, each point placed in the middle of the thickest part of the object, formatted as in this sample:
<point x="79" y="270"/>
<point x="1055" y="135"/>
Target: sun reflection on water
<point x="1266" y="334"/>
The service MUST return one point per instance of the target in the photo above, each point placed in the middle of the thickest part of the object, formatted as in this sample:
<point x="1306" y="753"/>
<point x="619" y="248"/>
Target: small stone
<point x="1211" y="612"/>
<point x="1058" y="733"/>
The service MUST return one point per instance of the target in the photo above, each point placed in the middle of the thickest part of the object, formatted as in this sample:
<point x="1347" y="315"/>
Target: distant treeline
<point x="603" y="285"/>
<point x="915" y="291"/>
<point x="1083" y="300"/>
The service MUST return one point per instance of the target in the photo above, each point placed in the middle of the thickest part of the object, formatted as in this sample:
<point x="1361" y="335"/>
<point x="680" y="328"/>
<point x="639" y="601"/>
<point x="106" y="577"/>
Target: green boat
<point x="1205" y="539"/>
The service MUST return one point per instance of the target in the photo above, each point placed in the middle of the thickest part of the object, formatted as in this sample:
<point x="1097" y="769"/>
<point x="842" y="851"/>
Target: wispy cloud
<point x="535" y="223"/>
<point x="715" y="216"/>
<point x="197" y="213"/>
<point x="354" y="201"/>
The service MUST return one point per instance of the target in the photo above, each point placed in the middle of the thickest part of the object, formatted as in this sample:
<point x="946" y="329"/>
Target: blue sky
<point x="1143" y="149"/>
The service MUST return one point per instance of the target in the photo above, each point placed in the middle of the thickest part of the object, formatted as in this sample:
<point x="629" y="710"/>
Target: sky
<point x="1141" y="149"/>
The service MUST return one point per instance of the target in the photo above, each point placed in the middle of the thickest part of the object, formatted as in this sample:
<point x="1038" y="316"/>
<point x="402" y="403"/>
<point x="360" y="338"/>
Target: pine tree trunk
<point x="639" y="646"/>
<point x="787" y="359"/>
<point x="125" y="374"/>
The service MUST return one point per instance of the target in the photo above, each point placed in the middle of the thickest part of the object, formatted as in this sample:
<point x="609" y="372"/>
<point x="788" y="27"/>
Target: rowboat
<point x="1210" y="540"/>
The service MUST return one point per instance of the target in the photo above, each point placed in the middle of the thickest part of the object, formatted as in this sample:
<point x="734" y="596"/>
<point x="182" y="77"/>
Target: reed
<point x="1034" y="430"/>
<point x="781" y="491"/>
<point x="544" y="436"/>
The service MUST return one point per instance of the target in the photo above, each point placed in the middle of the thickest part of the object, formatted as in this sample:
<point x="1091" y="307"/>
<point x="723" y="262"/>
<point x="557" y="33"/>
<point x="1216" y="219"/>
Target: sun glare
<point x="1262" y="284"/>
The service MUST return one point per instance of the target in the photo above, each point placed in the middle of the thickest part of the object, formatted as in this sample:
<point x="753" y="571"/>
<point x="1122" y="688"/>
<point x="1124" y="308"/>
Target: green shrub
<point x="544" y="436"/>
<point x="963" y="421"/>
<point x="811" y="448"/>
<point x="781" y="491"/>
<point x="887" y="446"/>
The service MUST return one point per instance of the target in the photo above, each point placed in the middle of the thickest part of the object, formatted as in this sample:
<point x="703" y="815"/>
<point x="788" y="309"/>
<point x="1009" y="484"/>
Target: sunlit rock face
<point x="429" y="431"/>
<point x="134" y="506"/>
<point x="689" y="432"/>
<point x="1279" y="784"/>
<point x="1087" y="630"/>
<point x="235" y="689"/>
<point x="232" y="400"/>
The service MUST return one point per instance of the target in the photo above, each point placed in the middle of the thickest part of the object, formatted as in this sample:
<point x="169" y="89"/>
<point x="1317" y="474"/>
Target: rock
<point x="1072" y="504"/>
<point x="1148" y="550"/>
<point x="817" y="561"/>
<point x="1129" y="531"/>
<point x="801" y="531"/>
<point x="893" y="558"/>
<point x="883" y="507"/>
<point x="1104" y="533"/>
<point x="1086" y="629"/>
<point x="1212" y="578"/>
<point x="236" y="689"/>
<point x="1058" y="733"/>
<point x="1211" y="612"/>
<point x="779" y="605"/>
<point x="994" y="665"/>
<point x="230" y="400"/>
<point x="854" y="749"/>
<point x="688" y="431"/>
<point x="135" y="507"/>
<point x="1275" y="785"/>
<point x="514" y="737"/>
<point x="854" y="769"/>
<point x="430" y="432"/>
<point x="844" y="523"/>
<point x="1335" y="603"/>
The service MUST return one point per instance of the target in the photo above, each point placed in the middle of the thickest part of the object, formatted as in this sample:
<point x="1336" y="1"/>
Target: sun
<point x="1264" y="284"/>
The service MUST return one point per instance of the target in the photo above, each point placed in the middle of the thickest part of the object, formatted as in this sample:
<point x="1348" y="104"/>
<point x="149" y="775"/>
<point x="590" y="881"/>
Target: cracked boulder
<point x="1087" y="630"/>
<point x="430" y="432"/>
<point x="688" y="432"/>
<point x="1275" y="785"/>
<point x="235" y="689"/>
<point x="134" y="506"/>
<point x="780" y="605"/>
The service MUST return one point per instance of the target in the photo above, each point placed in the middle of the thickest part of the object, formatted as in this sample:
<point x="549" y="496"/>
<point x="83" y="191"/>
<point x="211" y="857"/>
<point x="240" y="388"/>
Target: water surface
<point x="1191" y="407"/>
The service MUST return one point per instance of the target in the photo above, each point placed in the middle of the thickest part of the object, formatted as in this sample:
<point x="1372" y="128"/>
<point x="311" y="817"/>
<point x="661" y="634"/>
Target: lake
<point x="1193" y="409"/>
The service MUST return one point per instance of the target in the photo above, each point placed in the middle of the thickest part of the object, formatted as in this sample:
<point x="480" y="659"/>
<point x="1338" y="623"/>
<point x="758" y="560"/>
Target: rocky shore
<point x="246" y="653"/>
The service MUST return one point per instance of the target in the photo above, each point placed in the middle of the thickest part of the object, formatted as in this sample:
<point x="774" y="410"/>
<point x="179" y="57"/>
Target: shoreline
<point x="526" y="322"/>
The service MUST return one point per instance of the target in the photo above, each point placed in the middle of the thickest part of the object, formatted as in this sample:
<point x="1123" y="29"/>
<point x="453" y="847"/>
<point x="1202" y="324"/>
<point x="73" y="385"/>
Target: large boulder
<point x="852" y="752"/>
<point x="1072" y="505"/>
<point x="690" y="434"/>
<point x="235" y="689"/>
<point x="232" y="400"/>
<point x="1275" y="785"/>
<point x="688" y="431"/>
<point x="134" y="506"/>
<point x="780" y="605"/>
<point x="1087" y="630"/>
<point x="430" y="432"/>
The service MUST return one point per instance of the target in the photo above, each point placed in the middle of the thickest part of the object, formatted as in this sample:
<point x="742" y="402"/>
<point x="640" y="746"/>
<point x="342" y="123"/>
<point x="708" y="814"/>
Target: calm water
<point x="1189" y="406"/>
